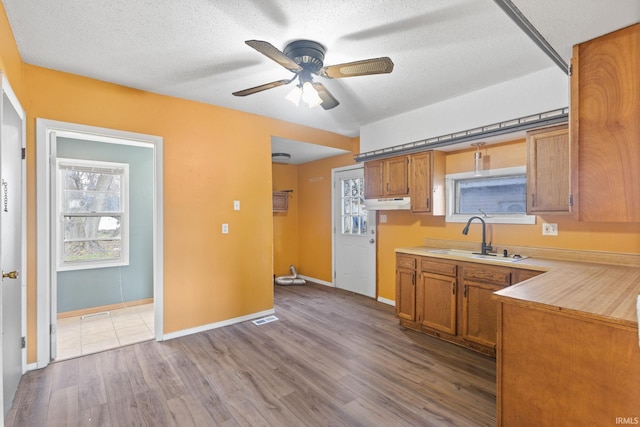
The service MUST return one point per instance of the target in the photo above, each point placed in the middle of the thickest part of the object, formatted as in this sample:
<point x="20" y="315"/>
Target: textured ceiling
<point x="194" y="49"/>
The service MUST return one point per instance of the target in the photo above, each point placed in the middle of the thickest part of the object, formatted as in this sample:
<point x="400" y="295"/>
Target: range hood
<point x="387" y="204"/>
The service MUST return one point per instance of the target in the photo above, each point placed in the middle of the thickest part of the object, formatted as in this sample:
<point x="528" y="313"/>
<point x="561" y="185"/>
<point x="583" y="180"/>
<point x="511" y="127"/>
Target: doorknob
<point x="10" y="275"/>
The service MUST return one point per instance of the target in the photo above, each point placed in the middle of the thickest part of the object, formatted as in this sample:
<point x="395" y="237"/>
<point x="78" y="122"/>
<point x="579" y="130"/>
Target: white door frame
<point x="13" y="99"/>
<point x="334" y="225"/>
<point x="45" y="161"/>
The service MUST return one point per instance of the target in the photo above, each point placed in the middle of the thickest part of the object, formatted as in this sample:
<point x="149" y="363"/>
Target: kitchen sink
<point x="499" y="258"/>
<point x="469" y="254"/>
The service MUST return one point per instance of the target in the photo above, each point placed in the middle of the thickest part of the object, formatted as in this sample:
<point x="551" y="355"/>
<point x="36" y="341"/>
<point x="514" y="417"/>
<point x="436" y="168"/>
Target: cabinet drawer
<point x="405" y="262"/>
<point x="496" y="275"/>
<point x="440" y="267"/>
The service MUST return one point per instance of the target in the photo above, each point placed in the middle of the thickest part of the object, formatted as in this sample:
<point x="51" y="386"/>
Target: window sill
<point x="495" y="219"/>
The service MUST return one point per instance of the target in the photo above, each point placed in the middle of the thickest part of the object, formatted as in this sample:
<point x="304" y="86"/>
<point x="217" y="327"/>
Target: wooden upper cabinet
<point x="549" y="171"/>
<point x="605" y="124"/>
<point x="397" y="172"/>
<point x="386" y="177"/>
<point x="426" y="182"/>
<point x="374" y="179"/>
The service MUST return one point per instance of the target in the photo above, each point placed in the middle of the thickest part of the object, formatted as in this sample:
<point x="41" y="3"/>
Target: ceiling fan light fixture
<point x="310" y="95"/>
<point x="294" y="96"/>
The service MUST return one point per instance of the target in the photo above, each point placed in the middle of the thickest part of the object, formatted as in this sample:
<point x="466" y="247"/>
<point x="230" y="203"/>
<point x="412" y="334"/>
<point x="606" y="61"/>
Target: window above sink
<point x="498" y="196"/>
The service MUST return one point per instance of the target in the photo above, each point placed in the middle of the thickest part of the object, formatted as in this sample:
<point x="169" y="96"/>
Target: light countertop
<point x="599" y="292"/>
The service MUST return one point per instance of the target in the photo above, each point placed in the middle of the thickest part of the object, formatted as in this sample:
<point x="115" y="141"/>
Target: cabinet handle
<point x="453" y="288"/>
<point x="413" y="279"/>
<point x="387" y="187"/>
<point x="465" y="291"/>
<point x="428" y="203"/>
<point x="533" y="200"/>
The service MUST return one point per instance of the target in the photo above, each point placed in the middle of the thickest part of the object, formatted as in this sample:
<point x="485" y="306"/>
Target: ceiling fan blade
<point x="271" y="52"/>
<point x="260" y="88"/>
<point x="358" y="68"/>
<point x="328" y="101"/>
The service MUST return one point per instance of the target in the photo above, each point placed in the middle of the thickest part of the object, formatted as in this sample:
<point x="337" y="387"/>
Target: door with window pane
<point x="354" y="235"/>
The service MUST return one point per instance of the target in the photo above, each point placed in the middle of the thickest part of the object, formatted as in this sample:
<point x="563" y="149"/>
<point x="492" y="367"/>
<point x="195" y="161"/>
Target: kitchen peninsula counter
<point x="567" y="340"/>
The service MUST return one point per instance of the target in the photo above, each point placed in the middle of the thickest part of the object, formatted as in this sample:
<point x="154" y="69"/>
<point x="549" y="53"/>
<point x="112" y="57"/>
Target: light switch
<point x="236" y="205"/>
<point x="225" y="228"/>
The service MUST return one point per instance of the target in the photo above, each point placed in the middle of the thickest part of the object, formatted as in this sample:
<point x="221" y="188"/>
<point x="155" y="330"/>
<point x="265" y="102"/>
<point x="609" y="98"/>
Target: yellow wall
<point x="212" y="156"/>
<point x="406" y="229"/>
<point x="302" y="236"/>
<point x="314" y="207"/>
<point x="285" y="224"/>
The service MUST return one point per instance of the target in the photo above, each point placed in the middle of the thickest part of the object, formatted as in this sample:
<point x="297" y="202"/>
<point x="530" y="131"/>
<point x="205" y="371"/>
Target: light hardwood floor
<point x="332" y="358"/>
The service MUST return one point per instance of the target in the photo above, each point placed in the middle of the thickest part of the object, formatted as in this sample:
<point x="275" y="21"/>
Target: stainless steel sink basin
<point x="468" y="254"/>
<point x="456" y="252"/>
<point x="500" y="258"/>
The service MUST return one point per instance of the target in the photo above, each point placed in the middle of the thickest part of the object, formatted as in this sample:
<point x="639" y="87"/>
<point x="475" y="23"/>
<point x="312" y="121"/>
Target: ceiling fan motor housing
<point x="306" y="53"/>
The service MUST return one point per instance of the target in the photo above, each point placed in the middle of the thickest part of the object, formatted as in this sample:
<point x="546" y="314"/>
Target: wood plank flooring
<point x="333" y="358"/>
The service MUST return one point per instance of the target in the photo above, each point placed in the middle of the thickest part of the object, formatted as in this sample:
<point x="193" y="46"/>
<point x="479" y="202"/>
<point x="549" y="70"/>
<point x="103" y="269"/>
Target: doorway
<point x="13" y="244"/>
<point x="55" y="140"/>
<point x="354" y="233"/>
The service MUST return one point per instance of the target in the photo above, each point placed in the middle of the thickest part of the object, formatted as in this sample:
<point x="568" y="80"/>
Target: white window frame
<point x="489" y="218"/>
<point x="123" y="260"/>
<point x="359" y="204"/>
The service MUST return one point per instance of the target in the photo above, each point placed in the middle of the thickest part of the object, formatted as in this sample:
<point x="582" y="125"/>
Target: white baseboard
<point x="387" y="301"/>
<point x="31" y="367"/>
<point x="216" y="325"/>
<point x="318" y="281"/>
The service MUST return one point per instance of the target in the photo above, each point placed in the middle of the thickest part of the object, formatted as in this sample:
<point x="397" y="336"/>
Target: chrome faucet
<point x="484" y="247"/>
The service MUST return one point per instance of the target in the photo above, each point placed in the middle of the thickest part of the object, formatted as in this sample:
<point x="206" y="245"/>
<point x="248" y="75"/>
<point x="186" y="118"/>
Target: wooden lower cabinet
<point x="479" y="309"/>
<point x="479" y="320"/>
<point x="406" y="287"/>
<point x="556" y="368"/>
<point x="436" y="299"/>
<point x="452" y="300"/>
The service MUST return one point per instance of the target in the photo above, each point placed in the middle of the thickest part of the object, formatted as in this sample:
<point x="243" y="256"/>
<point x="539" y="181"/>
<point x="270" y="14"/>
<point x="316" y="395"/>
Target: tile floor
<point x="77" y="336"/>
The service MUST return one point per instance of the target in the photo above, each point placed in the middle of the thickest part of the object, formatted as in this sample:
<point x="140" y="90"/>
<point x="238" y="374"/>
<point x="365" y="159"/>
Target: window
<point x="354" y="214"/>
<point x="92" y="214"/>
<point x="498" y="196"/>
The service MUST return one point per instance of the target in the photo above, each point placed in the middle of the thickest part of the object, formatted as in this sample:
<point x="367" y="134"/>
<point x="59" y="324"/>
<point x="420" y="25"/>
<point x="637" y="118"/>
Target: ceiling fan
<point x="305" y="58"/>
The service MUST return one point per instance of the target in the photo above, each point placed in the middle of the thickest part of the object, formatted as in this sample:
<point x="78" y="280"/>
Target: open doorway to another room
<point x="104" y="242"/>
<point x="104" y="238"/>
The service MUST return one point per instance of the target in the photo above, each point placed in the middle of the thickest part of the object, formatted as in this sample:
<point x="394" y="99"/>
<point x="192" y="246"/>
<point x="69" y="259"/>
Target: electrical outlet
<point x="236" y="205"/>
<point x="549" y="229"/>
<point x="383" y="218"/>
<point x="225" y="228"/>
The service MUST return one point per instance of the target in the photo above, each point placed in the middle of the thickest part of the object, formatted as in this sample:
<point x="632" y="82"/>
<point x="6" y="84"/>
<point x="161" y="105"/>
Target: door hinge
<point x="570" y="69"/>
<point x="23" y="342"/>
<point x="52" y="329"/>
<point x="24" y="153"/>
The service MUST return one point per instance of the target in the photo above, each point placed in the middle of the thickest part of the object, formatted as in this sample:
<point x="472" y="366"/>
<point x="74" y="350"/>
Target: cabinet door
<point x="397" y="173"/>
<point x="479" y="313"/>
<point x="374" y="179"/>
<point x="436" y="301"/>
<point x="549" y="171"/>
<point x="604" y="123"/>
<point x="406" y="294"/>
<point x="420" y="182"/>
